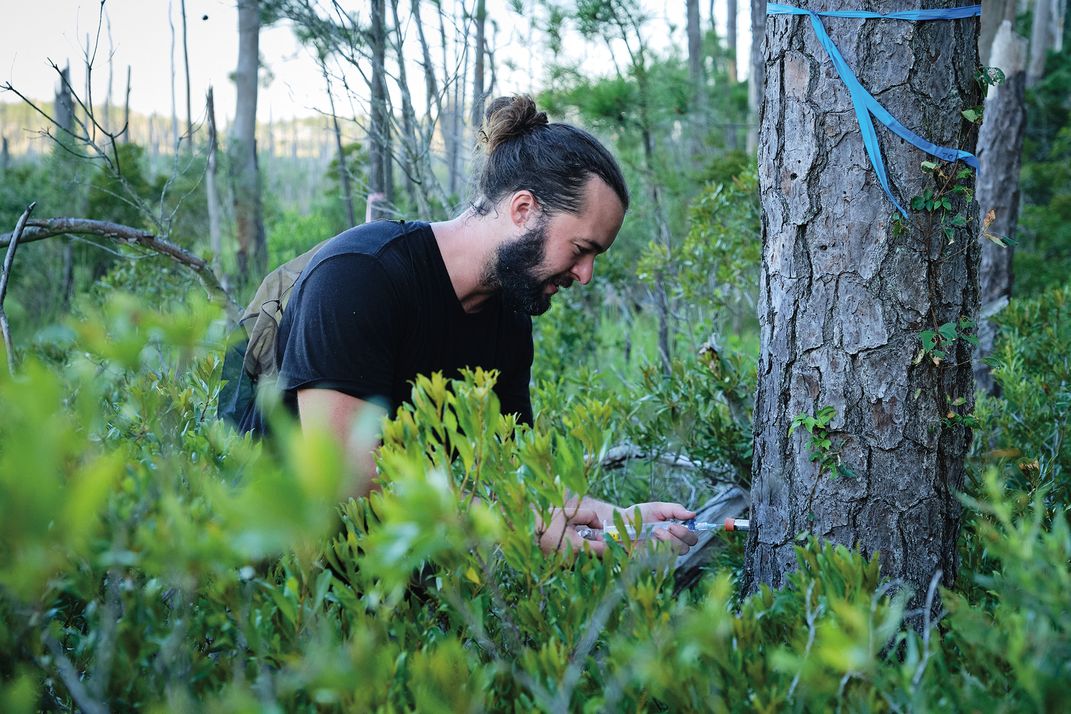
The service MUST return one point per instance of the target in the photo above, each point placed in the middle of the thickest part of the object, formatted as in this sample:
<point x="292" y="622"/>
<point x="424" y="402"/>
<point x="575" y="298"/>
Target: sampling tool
<point x="648" y="529"/>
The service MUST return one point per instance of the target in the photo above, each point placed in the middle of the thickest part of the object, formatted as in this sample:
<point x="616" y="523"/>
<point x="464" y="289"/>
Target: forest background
<point x="153" y="558"/>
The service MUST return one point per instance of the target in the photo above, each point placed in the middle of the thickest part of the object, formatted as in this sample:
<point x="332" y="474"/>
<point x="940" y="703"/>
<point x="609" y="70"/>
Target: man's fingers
<point x="582" y="517"/>
<point x="676" y="510"/>
<point x="684" y="535"/>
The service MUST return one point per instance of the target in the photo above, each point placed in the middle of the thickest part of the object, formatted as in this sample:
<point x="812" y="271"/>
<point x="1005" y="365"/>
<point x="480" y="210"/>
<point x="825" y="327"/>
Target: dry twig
<point x="12" y="244"/>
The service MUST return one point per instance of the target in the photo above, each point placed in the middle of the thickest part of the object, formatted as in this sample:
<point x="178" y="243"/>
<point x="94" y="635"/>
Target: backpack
<point x="251" y="353"/>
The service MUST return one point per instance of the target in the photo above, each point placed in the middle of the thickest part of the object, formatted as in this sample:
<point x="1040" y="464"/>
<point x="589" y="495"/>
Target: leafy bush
<point x="150" y="557"/>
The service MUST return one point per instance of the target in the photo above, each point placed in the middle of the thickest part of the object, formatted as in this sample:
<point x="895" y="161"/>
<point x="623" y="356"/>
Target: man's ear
<point x="524" y="209"/>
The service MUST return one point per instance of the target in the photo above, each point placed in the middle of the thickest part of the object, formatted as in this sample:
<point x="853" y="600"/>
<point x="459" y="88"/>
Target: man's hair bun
<point x="510" y="118"/>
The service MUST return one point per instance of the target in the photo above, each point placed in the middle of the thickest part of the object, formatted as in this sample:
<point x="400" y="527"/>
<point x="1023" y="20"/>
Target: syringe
<point x="648" y="529"/>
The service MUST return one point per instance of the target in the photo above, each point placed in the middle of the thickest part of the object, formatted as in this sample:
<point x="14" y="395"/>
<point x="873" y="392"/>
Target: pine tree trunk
<point x="844" y="297"/>
<point x="248" y="212"/>
<point x="1000" y="145"/>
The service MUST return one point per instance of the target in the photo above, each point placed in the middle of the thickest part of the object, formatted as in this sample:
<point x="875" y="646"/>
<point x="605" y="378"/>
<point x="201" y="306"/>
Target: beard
<point x="515" y="272"/>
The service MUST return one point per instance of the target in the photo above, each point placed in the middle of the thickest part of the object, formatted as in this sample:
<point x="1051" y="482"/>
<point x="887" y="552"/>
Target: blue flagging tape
<point x="866" y="106"/>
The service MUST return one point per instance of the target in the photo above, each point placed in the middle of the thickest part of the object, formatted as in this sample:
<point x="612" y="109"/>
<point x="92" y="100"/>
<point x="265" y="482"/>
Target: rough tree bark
<point x="248" y="213"/>
<point x="757" y="71"/>
<point x="380" y="174"/>
<point x="844" y="296"/>
<point x="1000" y="145"/>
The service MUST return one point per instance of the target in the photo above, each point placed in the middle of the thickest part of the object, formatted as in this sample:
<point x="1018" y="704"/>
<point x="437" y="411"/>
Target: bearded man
<point x="386" y="301"/>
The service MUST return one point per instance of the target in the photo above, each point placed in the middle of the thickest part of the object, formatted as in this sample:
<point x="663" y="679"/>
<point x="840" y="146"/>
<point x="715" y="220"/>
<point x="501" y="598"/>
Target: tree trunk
<point x="448" y="120"/>
<point x="248" y="213"/>
<point x="126" y="109"/>
<point x="695" y="55"/>
<point x="186" y="61"/>
<point x="844" y="297"/>
<point x="64" y="104"/>
<point x="1000" y="145"/>
<point x="758" y="68"/>
<point x="5" y="155"/>
<point x="730" y="36"/>
<point x="215" y="238"/>
<point x="1042" y="36"/>
<point x="174" y="103"/>
<point x="380" y="174"/>
<point x="478" y="96"/>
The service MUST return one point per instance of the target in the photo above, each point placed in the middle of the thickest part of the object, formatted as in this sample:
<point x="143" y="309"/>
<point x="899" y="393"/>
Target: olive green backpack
<point x="251" y="356"/>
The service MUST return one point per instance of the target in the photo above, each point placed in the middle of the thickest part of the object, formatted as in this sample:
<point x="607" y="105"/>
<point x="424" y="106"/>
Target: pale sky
<point x="37" y="30"/>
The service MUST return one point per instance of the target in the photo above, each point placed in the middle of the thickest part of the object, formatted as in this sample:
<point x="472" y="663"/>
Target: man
<point x="386" y="301"/>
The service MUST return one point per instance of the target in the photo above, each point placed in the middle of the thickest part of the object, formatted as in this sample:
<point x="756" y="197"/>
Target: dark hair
<point x="523" y="150"/>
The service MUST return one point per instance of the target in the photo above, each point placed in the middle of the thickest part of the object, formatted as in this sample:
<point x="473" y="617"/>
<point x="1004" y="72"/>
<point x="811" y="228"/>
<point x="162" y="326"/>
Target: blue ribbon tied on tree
<point x="866" y="106"/>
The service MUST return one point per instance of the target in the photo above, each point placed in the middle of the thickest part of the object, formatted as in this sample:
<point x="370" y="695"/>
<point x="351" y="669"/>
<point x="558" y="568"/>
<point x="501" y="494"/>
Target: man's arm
<point x="355" y="424"/>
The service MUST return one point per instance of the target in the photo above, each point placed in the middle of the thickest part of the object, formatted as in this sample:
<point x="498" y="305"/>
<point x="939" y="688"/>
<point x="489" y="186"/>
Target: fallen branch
<point x="12" y="244"/>
<point x="619" y="456"/>
<point x="40" y="229"/>
<point x="731" y="501"/>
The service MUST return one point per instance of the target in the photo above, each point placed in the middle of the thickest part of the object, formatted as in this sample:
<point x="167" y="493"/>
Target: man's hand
<point x="561" y="529"/>
<point x="680" y="537"/>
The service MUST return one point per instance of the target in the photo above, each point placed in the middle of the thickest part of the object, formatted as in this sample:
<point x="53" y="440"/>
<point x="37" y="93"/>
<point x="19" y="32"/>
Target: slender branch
<point x="71" y="680"/>
<point x="5" y="276"/>
<point x="41" y="229"/>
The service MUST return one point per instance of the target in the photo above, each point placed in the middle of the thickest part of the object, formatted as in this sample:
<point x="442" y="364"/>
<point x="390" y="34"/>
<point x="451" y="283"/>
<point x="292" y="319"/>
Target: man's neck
<point x="468" y="244"/>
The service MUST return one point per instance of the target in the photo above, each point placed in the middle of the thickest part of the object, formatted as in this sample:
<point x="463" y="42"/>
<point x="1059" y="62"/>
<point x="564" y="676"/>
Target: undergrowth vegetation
<point x="182" y="567"/>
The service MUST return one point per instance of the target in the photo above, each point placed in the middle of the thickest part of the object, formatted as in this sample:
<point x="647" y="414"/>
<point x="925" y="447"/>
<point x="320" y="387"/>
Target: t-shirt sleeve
<point x="345" y="329"/>
<point x="513" y="385"/>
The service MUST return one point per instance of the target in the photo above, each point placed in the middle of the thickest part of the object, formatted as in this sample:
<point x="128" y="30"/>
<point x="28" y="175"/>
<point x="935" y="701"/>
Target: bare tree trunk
<point x="730" y="35"/>
<point x="478" y="96"/>
<point x="126" y="109"/>
<point x="844" y="297"/>
<point x="380" y="178"/>
<point x="343" y="171"/>
<point x="252" y="245"/>
<point x="64" y="104"/>
<point x="695" y="56"/>
<point x="5" y="155"/>
<point x="111" y="73"/>
<point x="174" y="104"/>
<point x="1000" y="145"/>
<point x="448" y="120"/>
<point x="186" y="61"/>
<point x="215" y="237"/>
<point x="756" y="78"/>
<point x="1042" y="35"/>
<point x="64" y="115"/>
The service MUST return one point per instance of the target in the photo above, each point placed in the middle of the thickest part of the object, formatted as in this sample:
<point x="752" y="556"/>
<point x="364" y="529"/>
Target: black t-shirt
<point x="376" y="307"/>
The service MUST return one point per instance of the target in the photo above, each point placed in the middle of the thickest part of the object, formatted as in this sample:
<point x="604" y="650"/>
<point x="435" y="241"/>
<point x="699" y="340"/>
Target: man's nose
<point x="583" y="269"/>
